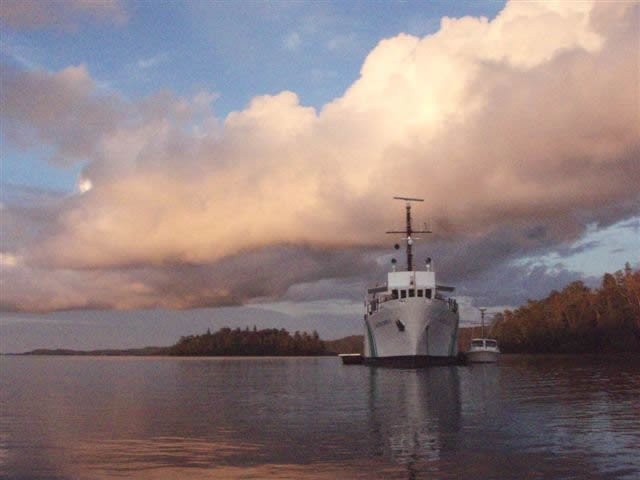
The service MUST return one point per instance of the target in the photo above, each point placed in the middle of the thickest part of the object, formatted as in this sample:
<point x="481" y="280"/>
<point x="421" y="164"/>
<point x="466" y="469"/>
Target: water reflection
<point x="539" y="417"/>
<point x="529" y="417"/>
<point x="414" y="413"/>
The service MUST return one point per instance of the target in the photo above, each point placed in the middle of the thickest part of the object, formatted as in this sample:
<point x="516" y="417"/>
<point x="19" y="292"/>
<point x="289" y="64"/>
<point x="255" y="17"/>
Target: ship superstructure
<point x="411" y="320"/>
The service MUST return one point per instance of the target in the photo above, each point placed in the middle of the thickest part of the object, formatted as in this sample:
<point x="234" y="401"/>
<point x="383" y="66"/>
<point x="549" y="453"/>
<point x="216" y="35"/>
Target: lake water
<point x="313" y="418"/>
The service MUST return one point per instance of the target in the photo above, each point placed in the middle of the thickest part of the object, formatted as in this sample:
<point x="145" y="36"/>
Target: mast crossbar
<point x="409" y="199"/>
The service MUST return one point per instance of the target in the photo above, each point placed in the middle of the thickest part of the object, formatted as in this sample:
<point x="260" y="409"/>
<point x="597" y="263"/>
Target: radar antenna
<point x="408" y="230"/>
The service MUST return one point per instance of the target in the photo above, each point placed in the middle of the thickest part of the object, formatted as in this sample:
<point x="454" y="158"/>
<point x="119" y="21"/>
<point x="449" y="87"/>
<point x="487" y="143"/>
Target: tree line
<point x="267" y="342"/>
<point x="577" y="319"/>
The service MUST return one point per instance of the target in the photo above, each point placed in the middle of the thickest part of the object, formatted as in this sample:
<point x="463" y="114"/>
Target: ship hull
<point x="412" y="332"/>
<point x="411" y="361"/>
<point x="482" y="356"/>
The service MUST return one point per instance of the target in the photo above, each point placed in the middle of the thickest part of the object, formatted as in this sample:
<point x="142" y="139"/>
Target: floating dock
<point x="351" y="358"/>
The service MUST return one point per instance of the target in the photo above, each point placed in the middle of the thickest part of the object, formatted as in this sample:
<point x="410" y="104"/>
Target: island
<point x="233" y="342"/>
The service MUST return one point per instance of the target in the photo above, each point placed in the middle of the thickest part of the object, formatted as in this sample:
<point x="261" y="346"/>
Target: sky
<point x="169" y="167"/>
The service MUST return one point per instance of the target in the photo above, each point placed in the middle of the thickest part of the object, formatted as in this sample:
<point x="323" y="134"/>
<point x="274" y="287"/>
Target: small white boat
<point x="483" y="350"/>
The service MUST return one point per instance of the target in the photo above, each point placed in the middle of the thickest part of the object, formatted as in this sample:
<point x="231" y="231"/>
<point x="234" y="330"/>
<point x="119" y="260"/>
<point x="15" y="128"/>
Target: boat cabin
<point x="484" y="343"/>
<point x="404" y="285"/>
<point x="411" y="284"/>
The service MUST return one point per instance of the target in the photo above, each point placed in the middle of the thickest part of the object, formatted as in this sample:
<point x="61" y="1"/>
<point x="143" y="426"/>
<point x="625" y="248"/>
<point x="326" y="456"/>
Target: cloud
<point x="60" y="14"/>
<point x="151" y="62"/>
<point x="343" y="43"/>
<point x="510" y="129"/>
<point x="318" y="307"/>
<point x="8" y="260"/>
<point x="263" y="274"/>
<point x="62" y="109"/>
<point x="292" y="41"/>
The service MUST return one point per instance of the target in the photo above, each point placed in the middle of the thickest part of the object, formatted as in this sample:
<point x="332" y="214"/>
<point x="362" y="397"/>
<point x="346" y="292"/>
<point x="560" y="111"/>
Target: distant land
<point x="144" y="351"/>
<point x="575" y="320"/>
<point x="236" y="342"/>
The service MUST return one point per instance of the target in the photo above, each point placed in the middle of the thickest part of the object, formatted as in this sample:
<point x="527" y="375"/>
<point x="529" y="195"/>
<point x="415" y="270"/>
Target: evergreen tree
<point x="228" y="342"/>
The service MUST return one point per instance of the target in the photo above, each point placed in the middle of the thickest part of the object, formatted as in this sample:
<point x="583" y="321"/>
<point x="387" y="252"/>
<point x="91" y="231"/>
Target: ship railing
<point x="385" y="298"/>
<point x="453" y="304"/>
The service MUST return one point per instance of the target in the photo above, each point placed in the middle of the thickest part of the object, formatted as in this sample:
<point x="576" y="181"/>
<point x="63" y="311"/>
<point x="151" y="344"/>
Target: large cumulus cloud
<point x="522" y="130"/>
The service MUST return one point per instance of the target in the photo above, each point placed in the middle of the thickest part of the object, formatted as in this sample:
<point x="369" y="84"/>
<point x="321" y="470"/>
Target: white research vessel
<point x="409" y="321"/>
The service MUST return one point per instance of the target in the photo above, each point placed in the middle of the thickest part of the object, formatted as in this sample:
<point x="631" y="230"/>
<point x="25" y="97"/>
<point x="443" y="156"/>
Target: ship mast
<point x="482" y="310"/>
<point x="408" y="230"/>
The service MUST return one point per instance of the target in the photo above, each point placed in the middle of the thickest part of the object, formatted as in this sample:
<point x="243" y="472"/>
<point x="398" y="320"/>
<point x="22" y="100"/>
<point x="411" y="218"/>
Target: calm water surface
<point x="308" y="418"/>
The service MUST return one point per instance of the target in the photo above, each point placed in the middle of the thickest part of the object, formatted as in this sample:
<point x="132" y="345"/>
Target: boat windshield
<point x="492" y="343"/>
<point x="477" y="343"/>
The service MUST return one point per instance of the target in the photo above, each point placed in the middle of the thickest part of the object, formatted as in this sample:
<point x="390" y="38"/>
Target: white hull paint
<point x="483" y="356"/>
<point x="429" y="328"/>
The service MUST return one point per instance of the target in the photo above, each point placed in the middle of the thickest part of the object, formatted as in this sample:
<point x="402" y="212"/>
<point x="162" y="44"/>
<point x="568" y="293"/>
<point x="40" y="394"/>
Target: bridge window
<point x="394" y="293"/>
<point x="403" y="294"/>
<point x="412" y="292"/>
<point x="428" y="293"/>
<point x="420" y="292"/>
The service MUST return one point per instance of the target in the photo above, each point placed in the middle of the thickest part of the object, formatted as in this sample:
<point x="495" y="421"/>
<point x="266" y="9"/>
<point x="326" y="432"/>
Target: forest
<point x="271" y="341"/>
<point x="577" y="319"/>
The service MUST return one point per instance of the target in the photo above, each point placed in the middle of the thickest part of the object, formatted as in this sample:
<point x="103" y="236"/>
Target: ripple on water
<point x="527" y="417"/>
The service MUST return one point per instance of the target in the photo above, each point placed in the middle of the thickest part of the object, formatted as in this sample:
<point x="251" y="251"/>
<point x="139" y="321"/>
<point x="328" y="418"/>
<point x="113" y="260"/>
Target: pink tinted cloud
<point x="527" y="123"/>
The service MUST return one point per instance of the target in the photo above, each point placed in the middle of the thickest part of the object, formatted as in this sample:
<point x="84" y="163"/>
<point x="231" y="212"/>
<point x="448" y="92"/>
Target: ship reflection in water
<point x="415" y="413"/>
<point x="312" y="418"/>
